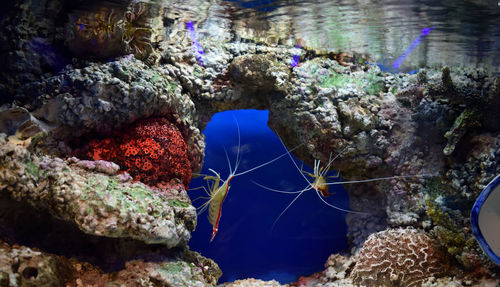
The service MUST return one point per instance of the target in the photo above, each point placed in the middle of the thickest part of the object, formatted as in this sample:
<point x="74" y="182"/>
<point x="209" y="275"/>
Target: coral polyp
<point x="152" y="151"/>
<point x="137" y="38"/>
<point x="105" y="32"/>
<point x="100" y="25"/>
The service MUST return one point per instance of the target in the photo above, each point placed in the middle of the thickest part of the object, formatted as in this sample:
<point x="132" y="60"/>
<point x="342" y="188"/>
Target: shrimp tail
<point x="214" y="232"/>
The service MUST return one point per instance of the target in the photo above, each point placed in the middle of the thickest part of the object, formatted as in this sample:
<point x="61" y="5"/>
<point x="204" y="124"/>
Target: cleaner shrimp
<point x="321" y="185"/>
<point x="217" y="188"/>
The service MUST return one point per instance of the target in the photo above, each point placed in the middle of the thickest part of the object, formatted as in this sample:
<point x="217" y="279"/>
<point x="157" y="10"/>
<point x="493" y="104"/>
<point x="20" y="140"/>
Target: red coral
<point x="152" y="151"/>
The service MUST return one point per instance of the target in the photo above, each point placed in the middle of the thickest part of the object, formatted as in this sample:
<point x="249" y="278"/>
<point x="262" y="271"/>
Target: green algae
<point x="467" y="120"/>
<point x="173" y="267"/>
<point x="371" y="83"/>
<point x="197" y="72"/>
<point x="335" y="80"/>
<point x="172" y="86"/>
<point x="374" y="84"/>
<point x="438" y="215"/>
<point x="446" y="231"/>
<point x="178" y="203"/>
<point x="88" y="210"/>
<point x="155" y="78"/>
<point x="32" y="169"/>
<point x="135" y="198"/>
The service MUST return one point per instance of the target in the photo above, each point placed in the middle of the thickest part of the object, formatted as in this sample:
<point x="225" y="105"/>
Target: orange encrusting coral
<point x="151" y="150"/>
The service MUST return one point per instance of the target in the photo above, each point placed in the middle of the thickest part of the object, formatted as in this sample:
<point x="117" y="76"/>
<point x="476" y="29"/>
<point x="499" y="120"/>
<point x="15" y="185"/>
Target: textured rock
<point x="105" y="97"/>
<point x="27" y="50"/>
<point x="252" y="283"/>
<point x="258" y="72"/>
<point x="23" y="266"/>
<point x="398" y="257"/>
<point x="19" y="122"/>
<point x="97" y="203"/>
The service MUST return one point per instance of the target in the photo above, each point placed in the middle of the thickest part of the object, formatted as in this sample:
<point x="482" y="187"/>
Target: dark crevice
<point x="22" y="224"/>
<point x="30" y="273"/>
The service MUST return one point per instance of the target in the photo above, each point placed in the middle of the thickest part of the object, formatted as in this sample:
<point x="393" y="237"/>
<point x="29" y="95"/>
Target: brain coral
<point x="398" y="257"/>
<point x="152" y="151"/>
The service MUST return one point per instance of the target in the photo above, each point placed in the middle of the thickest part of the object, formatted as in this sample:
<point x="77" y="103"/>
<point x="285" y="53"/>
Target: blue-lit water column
<point x="245" y="246"/>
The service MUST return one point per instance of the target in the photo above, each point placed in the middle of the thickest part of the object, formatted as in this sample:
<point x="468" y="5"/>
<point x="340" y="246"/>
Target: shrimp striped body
<point x="321" y="185"/>
<point x="217" y="195"/>
<point x="217" y="188"/>
<point x="320" y="182"/>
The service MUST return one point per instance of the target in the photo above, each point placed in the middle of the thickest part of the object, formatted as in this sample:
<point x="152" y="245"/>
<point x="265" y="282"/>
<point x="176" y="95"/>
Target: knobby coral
<point x="152" y="151"/>
<point x="398" y="257"/>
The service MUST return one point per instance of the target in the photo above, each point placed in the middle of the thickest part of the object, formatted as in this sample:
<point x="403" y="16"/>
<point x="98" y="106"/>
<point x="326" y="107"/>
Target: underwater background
<point x="113" y="112"/>
<point x="247" y="245"/>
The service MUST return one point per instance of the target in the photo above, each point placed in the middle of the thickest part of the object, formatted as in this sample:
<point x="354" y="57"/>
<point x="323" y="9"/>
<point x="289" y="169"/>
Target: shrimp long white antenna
<point x="277" y="190"/>
<point x="318" y="173"/>
<point x="229" y="162"/>
<point x="379" y="178"/>
<point x="219" y="188"/>
<point x="336" y="207"/>
<point x="238" y="159"/>
<point x="290" y="204"/>
<point x="269" y="162"/>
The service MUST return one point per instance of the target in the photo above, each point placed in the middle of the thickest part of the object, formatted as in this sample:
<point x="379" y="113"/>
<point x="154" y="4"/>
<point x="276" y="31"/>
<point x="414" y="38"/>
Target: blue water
<point x="245" y="245"/>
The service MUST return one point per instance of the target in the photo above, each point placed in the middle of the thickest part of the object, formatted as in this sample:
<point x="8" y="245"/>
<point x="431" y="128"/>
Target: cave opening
<point x="246" y="245"/>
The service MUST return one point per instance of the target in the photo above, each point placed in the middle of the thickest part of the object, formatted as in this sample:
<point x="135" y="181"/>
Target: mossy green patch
<point x="88" y="210"/>
<point x="173" y="267"/>
<point x="438" y="215"/>
<point x="433" y="188"/>
<point x="135" y="198"/>
<point x="32" y="169"/>
<point x="335" y="80"/>
<point x="315" y="134"/>
<point x="467" y="119"/>
<point x="197" y="72"/>
<point x="373" y="84"/>
<point x="178" y="203"/>
<point x="446" y="230"/>
<point x="172" y="87"/>
<point x="155" y="77"/>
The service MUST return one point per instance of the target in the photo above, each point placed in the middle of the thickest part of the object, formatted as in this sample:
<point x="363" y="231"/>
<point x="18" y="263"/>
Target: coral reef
<point x="252" y="283"/>
<point x="152" y="151"/>
<point x="336" y="273"/>
<point x="399" y="257"/>
<point x="105" y="97"/>
<point x="439" y="122"/>
<point x="99" y="204"/>
<point x="23" y="266"/>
